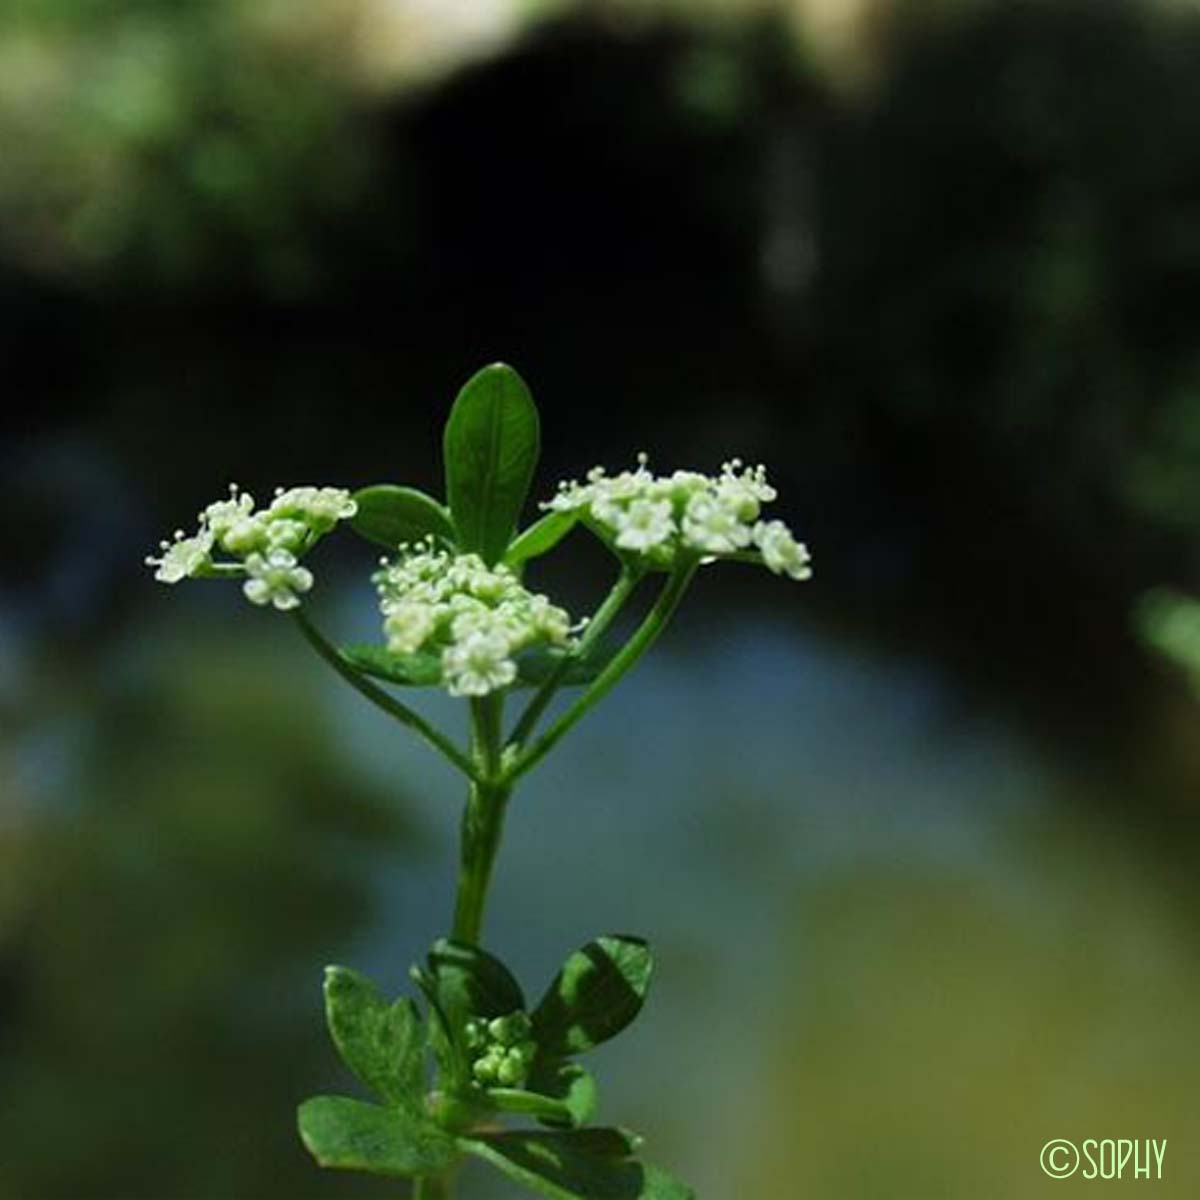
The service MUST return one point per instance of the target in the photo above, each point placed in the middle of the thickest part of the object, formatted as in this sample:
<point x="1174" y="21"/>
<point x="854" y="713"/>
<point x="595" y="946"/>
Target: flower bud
<point x="511" y="1071"/>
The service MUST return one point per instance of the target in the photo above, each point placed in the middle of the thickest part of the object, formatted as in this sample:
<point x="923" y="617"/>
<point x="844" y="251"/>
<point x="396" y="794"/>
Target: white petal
<point x="257" y="591"/>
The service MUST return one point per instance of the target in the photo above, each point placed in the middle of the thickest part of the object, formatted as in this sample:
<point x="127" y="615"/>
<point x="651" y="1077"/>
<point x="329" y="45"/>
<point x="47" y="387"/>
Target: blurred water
<point x="891" y="949"/>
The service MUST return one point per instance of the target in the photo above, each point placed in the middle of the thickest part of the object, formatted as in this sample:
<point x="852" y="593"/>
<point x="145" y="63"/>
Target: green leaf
<point x="383" y="1044"/>
<point x="540" y="538"/>
<point x="423" y="669"/>
<point x="389" y="514"/>
<point x="340" y="1132"/>
<point x="569" y="1083"/>
<point x="584" y="1164"/>
<point x="469" y="982"/>
<point x="454" y="1068"/>
<point x="420" y="669"/>
<point x="598" y="991"/>
<point x="559" y="1094"/>
<point x="536" y="665"/>
<point x="491" y="446"/>
<point x="462" y="982"/>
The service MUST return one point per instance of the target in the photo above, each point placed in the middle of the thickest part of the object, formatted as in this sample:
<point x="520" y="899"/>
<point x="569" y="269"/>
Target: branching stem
<point x="603" y="617"/>
<point x="655" y="622"/>
<point x="381" y="699"/>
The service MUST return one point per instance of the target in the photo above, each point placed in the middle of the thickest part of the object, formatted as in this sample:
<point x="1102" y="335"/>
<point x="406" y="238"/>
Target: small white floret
<point x="780" y="550"/>
<point x="222" y="515"/>
<point x="182" y="557"/>
<point x="644" y="524"/>
<point x="712" y="526"/>
<point x="276" y="578"/>
<point x="408" y="625"/>
<point x="245" y="535"/>
<point x="319" y="507"/>
<point x="477" y="665"/>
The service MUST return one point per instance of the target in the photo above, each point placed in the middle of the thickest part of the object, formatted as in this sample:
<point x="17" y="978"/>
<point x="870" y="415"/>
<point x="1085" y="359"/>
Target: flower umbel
<point x="474" y="617"/>
<point x="265" y="545"/>
<point x="661" y="519"/>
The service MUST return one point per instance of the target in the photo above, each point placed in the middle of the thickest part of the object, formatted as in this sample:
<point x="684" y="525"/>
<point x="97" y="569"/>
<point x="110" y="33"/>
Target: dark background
<point x="942" y="273"/>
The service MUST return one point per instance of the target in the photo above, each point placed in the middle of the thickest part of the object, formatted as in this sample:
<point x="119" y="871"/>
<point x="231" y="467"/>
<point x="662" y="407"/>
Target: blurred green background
<point x="917" y="842"/>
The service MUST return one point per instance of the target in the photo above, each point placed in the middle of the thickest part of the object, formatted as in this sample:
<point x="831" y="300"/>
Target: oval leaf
<point x="469" y="982"/>
<point x="389" y="515"/>
<point x="409" y="670"/>
<point x="383" y="1044"/>
<point x="599" y="990"/>
<point x="491" y="446"/>
<point x="540" y="538"/>
<point x="340" y="1132"/>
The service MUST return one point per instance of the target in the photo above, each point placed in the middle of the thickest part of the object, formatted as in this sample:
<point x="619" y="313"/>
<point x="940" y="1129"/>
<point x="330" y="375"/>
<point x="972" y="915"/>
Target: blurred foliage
<point x="199" y="144"/>
<point x="164" y="143"/>
<point x="183" y="871"/>
<point x="1024" y="263"/>
<point x="1003" y="326"/>
<point x="1170" y="623"/>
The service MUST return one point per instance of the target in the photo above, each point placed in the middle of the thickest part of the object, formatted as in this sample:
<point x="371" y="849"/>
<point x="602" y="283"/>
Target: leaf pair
<point x="490" y="446"/>
<point x="461" y="982"/>
<point x="598" y="991"/>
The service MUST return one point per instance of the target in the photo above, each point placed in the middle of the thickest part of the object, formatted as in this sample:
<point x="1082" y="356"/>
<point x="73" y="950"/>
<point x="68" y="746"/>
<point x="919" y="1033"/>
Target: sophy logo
<point x="1105" y="1158"/>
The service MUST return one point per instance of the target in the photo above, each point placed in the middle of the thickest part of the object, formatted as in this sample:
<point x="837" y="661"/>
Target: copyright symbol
<point x="1060" y="1158"/>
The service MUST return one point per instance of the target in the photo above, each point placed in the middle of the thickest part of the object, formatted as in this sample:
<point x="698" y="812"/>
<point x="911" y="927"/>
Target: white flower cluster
<point x="266" y="544"/>
<point x="658" y="516"/>
<point x="476" y="617"/>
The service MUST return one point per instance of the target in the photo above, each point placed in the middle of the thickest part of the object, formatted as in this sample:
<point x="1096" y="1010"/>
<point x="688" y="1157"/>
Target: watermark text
<point x="1104" y="1158"/>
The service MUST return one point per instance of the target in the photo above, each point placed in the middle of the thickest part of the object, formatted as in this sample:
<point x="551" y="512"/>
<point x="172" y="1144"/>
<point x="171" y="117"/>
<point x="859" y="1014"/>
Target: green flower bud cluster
<point x="502" y="1049"/>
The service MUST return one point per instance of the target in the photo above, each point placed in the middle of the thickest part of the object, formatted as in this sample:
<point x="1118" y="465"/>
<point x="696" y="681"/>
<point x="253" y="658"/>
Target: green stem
<point x="483" y="820"/>
<point x="655" y="622"/>
<point x="380" y="698"/>
<point x="220" y="570"/>
<point x="431" y="1187"/>
<point x="603" y="617"/>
